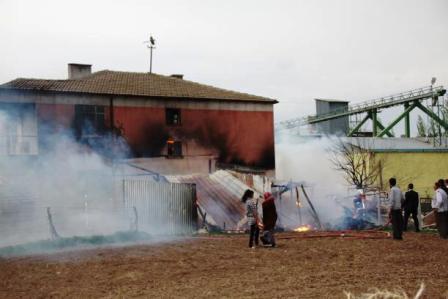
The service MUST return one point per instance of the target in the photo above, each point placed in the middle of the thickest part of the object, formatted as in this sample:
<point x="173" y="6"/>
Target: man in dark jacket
<point x="269" y="219"/>
<point x="410" y="206"/>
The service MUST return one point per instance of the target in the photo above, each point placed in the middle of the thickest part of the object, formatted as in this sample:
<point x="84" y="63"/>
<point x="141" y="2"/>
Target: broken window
<point x="174" y="148"/>
<point x="89" y="121"/>
<point x="172" y="116"/>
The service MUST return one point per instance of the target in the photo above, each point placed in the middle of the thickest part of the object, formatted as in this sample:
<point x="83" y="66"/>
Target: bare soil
<point x="224" y="267"/>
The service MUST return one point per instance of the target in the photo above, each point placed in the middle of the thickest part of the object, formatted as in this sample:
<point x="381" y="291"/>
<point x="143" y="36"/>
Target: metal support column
<point x="374" y="118"/>
<point x="407" y="122"/>
<point x="397" y="120"/>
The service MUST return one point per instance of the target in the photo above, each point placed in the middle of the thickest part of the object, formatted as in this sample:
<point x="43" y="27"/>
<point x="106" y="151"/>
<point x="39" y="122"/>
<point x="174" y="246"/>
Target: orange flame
<point x="303" y="228"/>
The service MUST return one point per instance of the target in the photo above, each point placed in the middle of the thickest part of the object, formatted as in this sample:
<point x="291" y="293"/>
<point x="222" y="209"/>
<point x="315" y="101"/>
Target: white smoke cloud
<point x="81" y="187"/>
<point x="306" y="160"/>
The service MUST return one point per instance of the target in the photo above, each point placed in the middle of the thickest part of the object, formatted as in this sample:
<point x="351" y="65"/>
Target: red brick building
<point x="175" y="122"/>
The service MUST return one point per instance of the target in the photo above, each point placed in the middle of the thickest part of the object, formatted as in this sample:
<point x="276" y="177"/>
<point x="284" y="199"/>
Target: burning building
<point x="175" y="125"/>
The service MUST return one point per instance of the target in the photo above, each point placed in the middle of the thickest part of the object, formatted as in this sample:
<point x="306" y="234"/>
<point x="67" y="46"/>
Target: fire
<point x="303" y="228"/>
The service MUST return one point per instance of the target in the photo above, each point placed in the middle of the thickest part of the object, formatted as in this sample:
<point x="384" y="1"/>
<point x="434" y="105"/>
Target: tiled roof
<point x="134" y="84"/>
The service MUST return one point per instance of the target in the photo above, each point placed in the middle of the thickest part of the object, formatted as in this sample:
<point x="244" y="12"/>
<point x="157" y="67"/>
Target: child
<point x="252" y="217"/>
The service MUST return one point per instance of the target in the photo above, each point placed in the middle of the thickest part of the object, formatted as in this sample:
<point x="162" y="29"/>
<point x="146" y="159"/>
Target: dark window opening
<point x="173" y="116"/>
<point x="89" y="121"/>
<point x="174" y="149"/>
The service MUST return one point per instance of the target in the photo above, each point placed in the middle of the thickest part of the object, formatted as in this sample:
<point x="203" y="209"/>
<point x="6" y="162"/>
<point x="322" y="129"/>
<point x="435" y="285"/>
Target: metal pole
<point x="438" y="125"/>
<point x="299" y="206"/>
<point x="374" y="122"/>
<point x="53" y="233"/>
<point x="150" y="59"/>
<point x="278" y="199"/>
<point x="407" y="122"/>
<point x="378" y="198"/>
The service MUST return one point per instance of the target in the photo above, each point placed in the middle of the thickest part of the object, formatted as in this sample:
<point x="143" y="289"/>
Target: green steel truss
<point x="410" y="100"/>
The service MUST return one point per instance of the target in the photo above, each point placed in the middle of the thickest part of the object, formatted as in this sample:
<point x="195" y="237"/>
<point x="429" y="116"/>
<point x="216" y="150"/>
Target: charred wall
<point x="234" y="133"/>
<point x="240" y="137"/>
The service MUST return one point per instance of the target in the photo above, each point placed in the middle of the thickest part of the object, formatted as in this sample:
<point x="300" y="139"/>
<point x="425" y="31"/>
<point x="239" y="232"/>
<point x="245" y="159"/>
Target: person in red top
<point x="269" y="219"/>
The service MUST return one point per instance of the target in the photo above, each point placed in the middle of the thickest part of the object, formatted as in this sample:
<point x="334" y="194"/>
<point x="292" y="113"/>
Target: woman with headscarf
<point x="440" y="207"/>
<point x="269" y="219"/>
<point x="252" y="217"/>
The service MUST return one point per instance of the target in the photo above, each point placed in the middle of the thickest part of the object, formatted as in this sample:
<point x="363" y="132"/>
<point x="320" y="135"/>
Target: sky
<point x="292" y="51"/>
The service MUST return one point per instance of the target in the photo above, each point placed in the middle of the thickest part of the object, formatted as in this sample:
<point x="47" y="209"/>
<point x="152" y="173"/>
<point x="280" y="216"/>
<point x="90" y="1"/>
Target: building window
<point x="173" y="116"/>
<point x="89" y="121"/>
<point x="18" y="129"/>
<point x="174" y="148"/>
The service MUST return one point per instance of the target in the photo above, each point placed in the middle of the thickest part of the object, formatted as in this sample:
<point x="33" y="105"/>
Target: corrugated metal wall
<point x="162" y="208"/>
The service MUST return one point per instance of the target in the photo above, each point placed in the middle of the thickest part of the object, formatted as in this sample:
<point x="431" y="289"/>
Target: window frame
<point x="93" y="114"/>
<point x="174" y="149"/>
<point x="170" y="114"/>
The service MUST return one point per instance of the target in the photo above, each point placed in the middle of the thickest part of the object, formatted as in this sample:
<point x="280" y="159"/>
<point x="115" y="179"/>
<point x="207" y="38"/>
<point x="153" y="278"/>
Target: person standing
<point x="442" y="185"/>
<point x="410" y="207"/>
<point x="395" y="198"/>
<point x="252" y="217"/>
<point x="440" y="207"/>
<point x="269" y="219"/>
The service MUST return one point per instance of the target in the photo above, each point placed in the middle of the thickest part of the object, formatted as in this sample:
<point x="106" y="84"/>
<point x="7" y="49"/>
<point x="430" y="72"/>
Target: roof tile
<point x="134" y="84"/>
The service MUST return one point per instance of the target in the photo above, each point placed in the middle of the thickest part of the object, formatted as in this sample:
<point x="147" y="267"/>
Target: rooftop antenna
<point x="151" y="43"/>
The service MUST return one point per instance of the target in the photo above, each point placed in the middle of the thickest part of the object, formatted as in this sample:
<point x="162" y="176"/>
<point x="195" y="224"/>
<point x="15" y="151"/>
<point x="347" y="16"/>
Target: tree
<point x="356" y="162"/>
<point x="421" y="127"/>
<point x="444" y="112"/>
<point x="431" y="128"/>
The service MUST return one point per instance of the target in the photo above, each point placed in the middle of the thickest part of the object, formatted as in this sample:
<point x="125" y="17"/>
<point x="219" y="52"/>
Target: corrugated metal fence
<point x="162" y="208"/>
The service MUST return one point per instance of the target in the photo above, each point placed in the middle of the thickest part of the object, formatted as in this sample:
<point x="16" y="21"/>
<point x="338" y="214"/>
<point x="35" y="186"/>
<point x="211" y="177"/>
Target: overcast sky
<point x="293" y="51"/>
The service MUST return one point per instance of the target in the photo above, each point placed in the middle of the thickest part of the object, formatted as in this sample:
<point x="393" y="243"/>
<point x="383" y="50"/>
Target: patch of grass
<point x="74" y="242"/>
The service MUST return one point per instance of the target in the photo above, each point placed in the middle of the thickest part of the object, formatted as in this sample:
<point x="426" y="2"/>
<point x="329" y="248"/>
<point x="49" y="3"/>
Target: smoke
<point x="306" y="160"/>
<point x="79" y="181"/>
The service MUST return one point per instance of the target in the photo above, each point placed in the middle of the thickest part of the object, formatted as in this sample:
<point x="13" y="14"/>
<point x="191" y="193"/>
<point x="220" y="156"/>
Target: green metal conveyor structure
<point x="410" y="100"/>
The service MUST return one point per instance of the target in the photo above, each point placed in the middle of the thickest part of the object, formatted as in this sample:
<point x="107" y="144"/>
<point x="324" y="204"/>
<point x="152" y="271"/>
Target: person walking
<point x="440" y="207"/>
<point x="395" y="199"/>
<point x="410" y="207"/>
<point x="252" y="217"/>
<point x="269" y="219"/>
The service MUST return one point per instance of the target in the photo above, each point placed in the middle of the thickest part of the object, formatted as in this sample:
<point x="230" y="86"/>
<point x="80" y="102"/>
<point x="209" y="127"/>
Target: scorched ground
<point x="223" y="266"/>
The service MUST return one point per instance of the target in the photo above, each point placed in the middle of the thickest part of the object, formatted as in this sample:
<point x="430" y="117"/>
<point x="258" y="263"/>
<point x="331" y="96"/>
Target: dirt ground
<point x="223" y="267"/>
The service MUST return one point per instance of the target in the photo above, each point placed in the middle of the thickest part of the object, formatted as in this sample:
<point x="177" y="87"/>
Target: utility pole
<point x="151" y="45"/>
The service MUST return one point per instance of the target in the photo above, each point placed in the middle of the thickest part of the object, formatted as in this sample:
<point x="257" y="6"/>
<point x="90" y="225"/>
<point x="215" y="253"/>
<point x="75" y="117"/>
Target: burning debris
<point x="365" y="211"/>
<point x="303" y="228"/>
